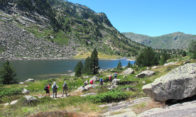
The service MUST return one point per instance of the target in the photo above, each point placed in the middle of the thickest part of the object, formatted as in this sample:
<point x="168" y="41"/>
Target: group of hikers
<point x="55" y="88"/>
<point x="65" y="86"/>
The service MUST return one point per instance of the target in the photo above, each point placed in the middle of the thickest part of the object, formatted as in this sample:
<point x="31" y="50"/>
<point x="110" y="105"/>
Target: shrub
<point x="111" y="96"/>
<point x="9" y="91"/>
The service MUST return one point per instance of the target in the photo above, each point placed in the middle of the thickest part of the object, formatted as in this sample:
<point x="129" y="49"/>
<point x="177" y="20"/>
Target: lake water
<point x="44" y="69"/>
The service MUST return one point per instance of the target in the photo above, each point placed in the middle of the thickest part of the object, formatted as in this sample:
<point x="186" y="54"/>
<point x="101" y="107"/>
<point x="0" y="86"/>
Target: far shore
<point x="61" y="58"/>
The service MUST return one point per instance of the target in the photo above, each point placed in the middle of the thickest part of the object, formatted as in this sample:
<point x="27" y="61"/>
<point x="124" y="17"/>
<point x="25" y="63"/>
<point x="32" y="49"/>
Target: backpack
<point x="65" y="86"/>
<point x="54" y="87"/>
<point x="46" y="88"/>
<point x="101" y="80"/>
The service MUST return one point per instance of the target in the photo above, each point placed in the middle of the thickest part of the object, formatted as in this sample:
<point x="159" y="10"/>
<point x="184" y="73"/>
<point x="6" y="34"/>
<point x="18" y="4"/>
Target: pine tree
<point x="87" y="66"/>
<point x="78" y="69"/>
<point x="7" y="74"/>
<point x="119" y="66"/>
<point x="192" y="49"/>
<point x="94" y="62"/>
<point x="129" y="65"/>
<point x="147" y="58"/>
<point x="163" y="58"/>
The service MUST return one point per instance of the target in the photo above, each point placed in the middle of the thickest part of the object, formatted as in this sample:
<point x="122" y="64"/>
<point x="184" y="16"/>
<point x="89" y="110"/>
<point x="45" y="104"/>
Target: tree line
<point x="150" y="57"/>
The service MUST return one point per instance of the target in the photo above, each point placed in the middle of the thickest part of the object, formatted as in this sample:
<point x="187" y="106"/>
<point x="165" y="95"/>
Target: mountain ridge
<point x="176" y="40"/>
<point x="64" y="24"/>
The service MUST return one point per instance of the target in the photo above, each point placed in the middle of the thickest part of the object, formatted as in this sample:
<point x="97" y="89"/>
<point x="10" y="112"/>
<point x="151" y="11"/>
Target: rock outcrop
<point x="145" y="74"/>
<point x="187" y="109"/>
<point x="176" y="85"/>
<point x="128" y="71"/>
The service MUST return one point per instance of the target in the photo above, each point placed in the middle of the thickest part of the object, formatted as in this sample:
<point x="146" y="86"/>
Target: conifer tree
<point x="192" y="49"/>
<point x="129" y="65"/>
<point x="7" y="74"/>
<point x="87" y="66"/>
<point x="147" y="58"/>
<point x="119" y="66"/>
<point x="78" y="69"/>
<point x="94" y="62"/>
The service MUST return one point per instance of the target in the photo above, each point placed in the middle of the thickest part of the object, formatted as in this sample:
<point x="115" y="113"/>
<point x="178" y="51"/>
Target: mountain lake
<point x="45" y="69"/>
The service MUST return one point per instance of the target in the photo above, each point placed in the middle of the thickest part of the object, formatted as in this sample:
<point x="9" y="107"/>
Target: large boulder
<point x="178" y="84"/>
<point x="128" y="71"/>
<point x="145" y="73"/>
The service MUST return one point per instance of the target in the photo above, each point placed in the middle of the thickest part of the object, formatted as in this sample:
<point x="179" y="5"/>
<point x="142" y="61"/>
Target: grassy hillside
<point x="75" y="103"/>
<point x="176" y="40"/>
<point x="66" y="24"/>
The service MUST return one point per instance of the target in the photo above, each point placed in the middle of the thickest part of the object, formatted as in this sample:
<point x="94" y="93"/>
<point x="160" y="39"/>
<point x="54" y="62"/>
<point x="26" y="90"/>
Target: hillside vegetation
<point x="176" y="40"/>
<point x="66" y="28"/>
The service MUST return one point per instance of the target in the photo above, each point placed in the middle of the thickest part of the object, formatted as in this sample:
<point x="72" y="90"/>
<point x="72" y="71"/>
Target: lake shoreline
<point x="59" y="58"/>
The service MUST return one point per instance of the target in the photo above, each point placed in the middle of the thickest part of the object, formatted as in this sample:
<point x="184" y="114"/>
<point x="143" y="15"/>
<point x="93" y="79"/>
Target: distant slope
<point x="176" y="40"/>
<point x="72" y="28"/>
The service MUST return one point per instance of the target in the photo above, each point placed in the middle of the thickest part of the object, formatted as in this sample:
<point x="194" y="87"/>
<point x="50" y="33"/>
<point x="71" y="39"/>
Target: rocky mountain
<point x="176" y="40"/>
<point x="57" y="29"/>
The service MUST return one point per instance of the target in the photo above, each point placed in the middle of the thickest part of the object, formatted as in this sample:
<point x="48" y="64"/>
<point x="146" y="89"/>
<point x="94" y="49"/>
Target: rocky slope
<point x="176" y="40"/>
<point x="70" y="28"/>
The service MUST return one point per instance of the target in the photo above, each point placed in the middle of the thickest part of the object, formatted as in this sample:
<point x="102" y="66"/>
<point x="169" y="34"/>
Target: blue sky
<point x="150" y="17"/>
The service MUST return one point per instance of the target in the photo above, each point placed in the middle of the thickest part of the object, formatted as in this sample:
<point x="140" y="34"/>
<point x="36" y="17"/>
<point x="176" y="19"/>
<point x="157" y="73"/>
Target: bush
<point x="7" y="94"/>
<point x="10" y="91"/>
<point x="111" y="96"/>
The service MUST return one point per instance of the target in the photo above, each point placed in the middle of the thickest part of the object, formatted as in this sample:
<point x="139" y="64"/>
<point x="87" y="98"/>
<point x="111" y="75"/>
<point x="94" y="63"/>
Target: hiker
<point x="101" y="81"/>
<point x="47" y="89"/>
<point x="115" y="75"/>
<point x="54" y="90"/>
<point x="110" y="78"/>
<point x="91" y="82"/>
<point x="65" y="89"/>
<point x="85" y="83"/>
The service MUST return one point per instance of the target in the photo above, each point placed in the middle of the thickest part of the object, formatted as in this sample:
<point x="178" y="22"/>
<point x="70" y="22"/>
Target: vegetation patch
<point x="111" y="96"/>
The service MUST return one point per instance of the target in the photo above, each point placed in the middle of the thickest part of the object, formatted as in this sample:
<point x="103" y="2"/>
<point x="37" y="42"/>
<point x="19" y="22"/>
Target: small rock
<point x="88" y="94"/>
<point x="154" y="67"/>
<point x="85" y="77"/>
<point x="13" y="102"/>
<point x="29" y="80"/>
<point x="29" y="98"/>
<point x="25" y="91"/>
<point x="21" y="83"/>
